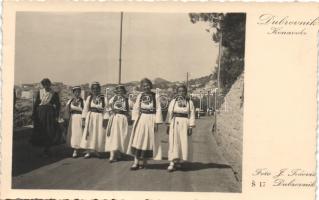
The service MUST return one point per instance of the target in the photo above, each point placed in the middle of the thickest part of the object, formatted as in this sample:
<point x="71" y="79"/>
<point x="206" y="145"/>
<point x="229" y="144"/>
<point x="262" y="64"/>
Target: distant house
<point x="27" y="86"/>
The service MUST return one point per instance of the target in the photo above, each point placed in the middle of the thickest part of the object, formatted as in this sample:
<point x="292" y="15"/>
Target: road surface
<point x="208" y="172"/>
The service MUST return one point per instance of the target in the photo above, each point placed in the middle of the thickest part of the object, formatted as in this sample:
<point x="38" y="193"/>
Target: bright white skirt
<point x="94" y="134"/>
<point x="75" y="131"/>
<point x="118" y="139"/>
<point x="144" y="143"/>
<point x="180" y="144"/>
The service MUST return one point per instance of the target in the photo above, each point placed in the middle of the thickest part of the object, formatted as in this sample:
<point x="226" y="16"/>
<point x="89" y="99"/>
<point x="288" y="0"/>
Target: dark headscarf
<point x="45" y="81"/>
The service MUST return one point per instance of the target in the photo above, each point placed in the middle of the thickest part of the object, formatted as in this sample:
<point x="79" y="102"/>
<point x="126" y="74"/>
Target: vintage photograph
<point x="128" y="101"/>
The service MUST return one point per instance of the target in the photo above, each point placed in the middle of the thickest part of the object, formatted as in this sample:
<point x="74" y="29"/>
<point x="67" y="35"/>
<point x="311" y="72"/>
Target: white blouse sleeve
<point x="107" y="109"/>
<point x="67" y="110"/>
<point x="136" y="108"/>
<point x="86" y="107"/>
<point x="159" y="115"/>
<point x="169" y="115"/>
<point x="192" y="114"/>
<point x="67" y="106"/>
<point x="111" y="101"/>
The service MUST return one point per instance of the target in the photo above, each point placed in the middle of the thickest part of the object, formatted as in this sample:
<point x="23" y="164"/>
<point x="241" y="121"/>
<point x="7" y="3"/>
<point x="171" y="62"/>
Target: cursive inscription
<point x="286" y="25"/>
<point x="284" y="177"/>
<point x="293" y="183"/>
<point x="269" y="19"/>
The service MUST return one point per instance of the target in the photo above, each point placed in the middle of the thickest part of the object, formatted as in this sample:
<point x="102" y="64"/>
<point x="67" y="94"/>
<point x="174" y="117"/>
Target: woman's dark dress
<point x="46" y="129"/>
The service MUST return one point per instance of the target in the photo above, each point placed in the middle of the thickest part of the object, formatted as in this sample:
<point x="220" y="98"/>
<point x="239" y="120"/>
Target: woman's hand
<point x="105" y="122"/>
<point x="189" y="131"/>
<point x="156" y="128"/>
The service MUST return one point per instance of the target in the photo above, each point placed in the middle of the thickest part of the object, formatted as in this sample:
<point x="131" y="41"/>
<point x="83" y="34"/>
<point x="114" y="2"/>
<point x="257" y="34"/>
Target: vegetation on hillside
<point x="230" y="29"/>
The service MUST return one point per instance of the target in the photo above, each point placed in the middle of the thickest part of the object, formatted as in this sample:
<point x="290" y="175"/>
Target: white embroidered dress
<point x="94" y="134"/>
<point x="117" y="125"/>
<point x="144" y="142"/>
<point x="180" y="116"/>
<point x="75" y="130"/>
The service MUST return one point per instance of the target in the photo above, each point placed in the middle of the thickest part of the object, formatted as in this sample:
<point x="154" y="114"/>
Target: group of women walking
<point x="98" y="125"/>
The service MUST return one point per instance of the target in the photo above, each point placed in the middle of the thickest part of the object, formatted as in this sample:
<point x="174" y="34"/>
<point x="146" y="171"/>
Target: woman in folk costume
<point x="181" y="121"/>
<point x="117" y="129"/>
<point x="45" y="115"/>
<point x="144" y="141"/>
<point x="75" y="131"/>
<point x="94" y="120"/>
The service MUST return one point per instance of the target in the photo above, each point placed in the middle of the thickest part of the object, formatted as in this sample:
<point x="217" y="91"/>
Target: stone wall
<point x="229" y="135"/>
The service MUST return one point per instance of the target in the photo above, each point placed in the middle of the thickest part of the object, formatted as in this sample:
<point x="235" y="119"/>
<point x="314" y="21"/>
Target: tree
<point x="231" y="26"/>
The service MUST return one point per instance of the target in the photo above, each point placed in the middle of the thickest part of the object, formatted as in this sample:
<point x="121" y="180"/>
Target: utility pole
<point x="120" y="59"/>
<point x="200" y="101"/>
<point x="187" y="81"/>
<point x="218" y="81"/>
<point x="219" y="60"/>
<point x="208" y="100"/>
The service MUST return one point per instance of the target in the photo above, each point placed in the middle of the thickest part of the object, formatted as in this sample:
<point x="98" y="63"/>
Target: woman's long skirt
<point x="94" y="134"/>
<point x="180" y="143"/>
<point x="144" y="142"/>
<point x="46" y="129"/>
<point x="75" y="131"/>
<point x="118" y="127"/>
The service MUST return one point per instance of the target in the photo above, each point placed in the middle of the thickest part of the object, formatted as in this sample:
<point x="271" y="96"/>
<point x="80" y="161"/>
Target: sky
<point x="77" y="48"/>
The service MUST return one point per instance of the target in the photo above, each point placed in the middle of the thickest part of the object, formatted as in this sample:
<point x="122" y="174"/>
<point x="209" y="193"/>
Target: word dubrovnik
<point x="293" y="183"/>
<point x="268" y="19"/>
<point x="285" y="25"/>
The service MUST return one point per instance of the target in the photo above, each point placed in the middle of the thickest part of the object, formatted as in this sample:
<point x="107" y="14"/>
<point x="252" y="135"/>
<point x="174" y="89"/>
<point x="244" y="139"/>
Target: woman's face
<point x="77" y="93"/>
<point x="96" y="90"/>
<point x="46" y="86"/>
<point x="120" y="91"/>
<point x="146" y="86"/>
<point x="181" y="91"/>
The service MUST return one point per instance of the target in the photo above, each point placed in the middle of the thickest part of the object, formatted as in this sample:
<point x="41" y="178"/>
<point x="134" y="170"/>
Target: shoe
<point x="142" y="166"/>
<point x="134" y="167"/>
<point x="87" y="155"/>
<point x="112" y="160"/>
<point x="178" y="165"/>
<point x="170" y="168"/>
<point x="75" y="154"/>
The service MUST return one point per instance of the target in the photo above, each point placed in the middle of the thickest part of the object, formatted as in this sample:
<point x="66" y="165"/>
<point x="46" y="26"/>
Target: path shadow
<point x="26" y="157"/>
<point x="190" y="166"/>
